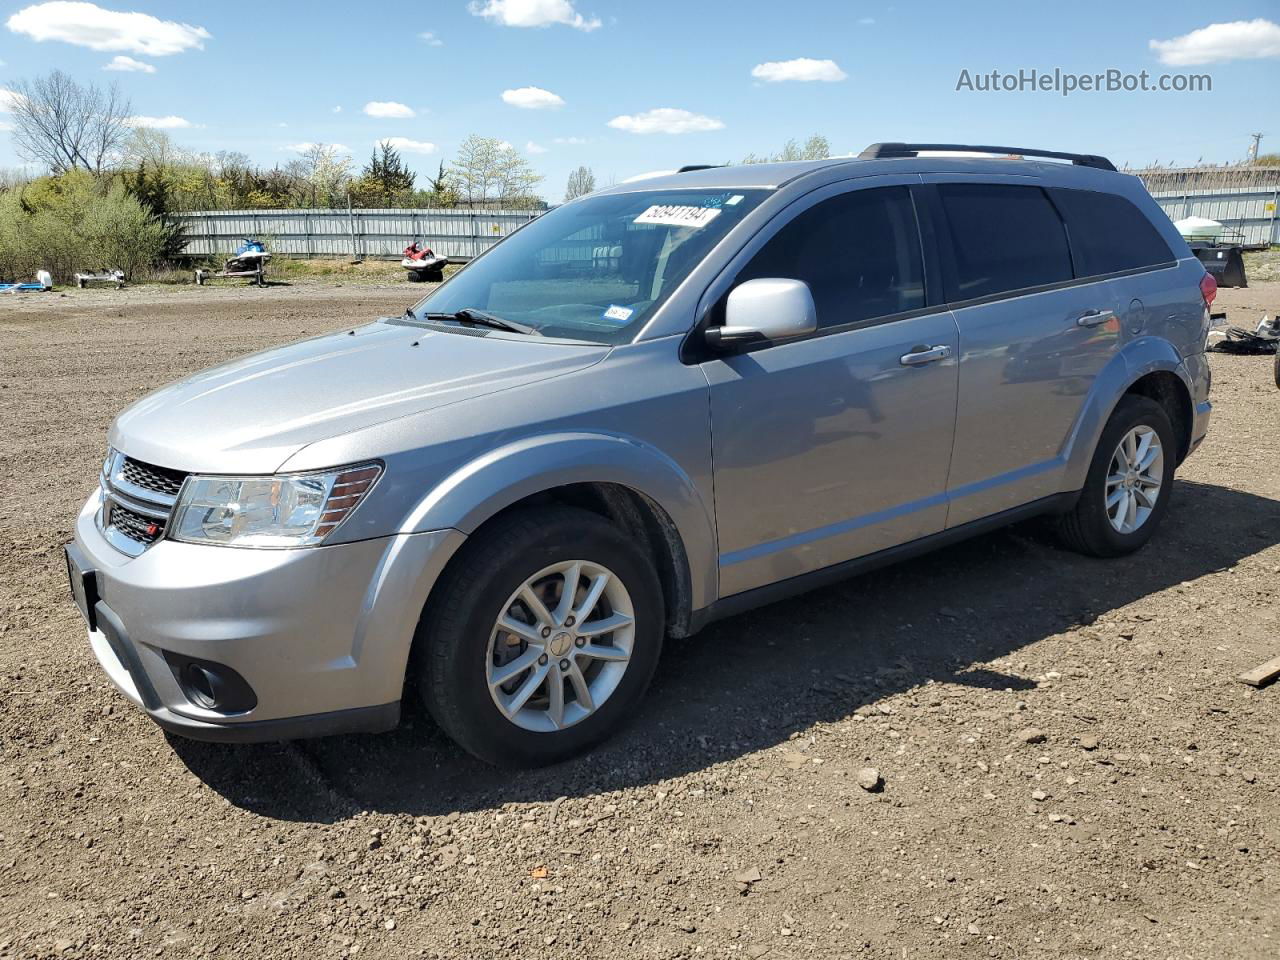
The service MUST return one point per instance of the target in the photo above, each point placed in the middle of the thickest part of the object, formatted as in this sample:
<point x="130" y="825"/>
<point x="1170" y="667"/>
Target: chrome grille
<point x="134" y="525"/>
<point x="153" y="478"/>
<point x="137" y="501"/>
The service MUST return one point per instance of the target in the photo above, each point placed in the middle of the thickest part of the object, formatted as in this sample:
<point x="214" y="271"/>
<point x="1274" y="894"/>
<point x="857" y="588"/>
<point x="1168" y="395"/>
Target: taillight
<point x="1208" y="288"/>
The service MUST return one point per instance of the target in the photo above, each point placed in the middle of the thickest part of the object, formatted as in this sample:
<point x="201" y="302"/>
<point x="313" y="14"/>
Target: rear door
<point x="834" y="446"/>
<point x="1032" y="340"/>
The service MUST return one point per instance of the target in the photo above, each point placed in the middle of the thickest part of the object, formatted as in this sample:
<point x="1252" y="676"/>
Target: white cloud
<point x="337" y="109"/>
<point x="534" y="148"/>
<point x="571" y="140"/>
<point x="533" y="13"/>
<point x="88" y="25"/>
<point x="532" y="98"/>
<point x="1238" y="40"/>
<point x="160" y="123"/>
<point x="306" y="145"/>
<point x="282" y="124"/>
<point x="665" y="120"/>
<point x="431" y="39"/>
<point x="803" y="70"/>
<point x="388" y="109"/>
<point x="405" y="145"/>
<point x="8" y="100"/>
<point x="866" y="21"/>
<point x="129" y="65"/>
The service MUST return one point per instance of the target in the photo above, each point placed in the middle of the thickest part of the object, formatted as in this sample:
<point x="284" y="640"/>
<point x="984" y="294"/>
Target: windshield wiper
<point x="486" y="319"/>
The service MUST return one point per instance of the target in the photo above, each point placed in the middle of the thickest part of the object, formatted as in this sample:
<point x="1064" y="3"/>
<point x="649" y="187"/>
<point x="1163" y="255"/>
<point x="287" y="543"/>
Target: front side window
<point x="1003" y="238"/>
<point x="595" y="269"/>
<point x="858" y="252"/>
<point x="1108" y="233"/>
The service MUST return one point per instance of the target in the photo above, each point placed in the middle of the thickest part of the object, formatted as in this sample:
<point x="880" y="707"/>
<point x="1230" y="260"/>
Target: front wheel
<point x="541" y="638"/>
<point x="1129" y="483"/>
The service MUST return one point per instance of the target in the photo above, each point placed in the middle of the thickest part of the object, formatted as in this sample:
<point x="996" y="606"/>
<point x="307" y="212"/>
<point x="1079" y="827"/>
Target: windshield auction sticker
<point x="676" y="215"/>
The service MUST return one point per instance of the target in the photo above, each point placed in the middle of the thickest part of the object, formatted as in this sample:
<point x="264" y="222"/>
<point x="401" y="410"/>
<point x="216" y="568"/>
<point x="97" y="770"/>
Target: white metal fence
<point x="1253" y="212"/>
<point x="458" y="233"/>
<point x="461" y="233"/>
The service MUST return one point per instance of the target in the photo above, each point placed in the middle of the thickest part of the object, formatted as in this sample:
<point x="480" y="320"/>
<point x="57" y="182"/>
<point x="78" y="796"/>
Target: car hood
<point x="252" y="414"/>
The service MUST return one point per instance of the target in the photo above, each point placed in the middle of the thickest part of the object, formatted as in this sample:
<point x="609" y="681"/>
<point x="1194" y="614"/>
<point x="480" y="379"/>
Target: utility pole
<point x="1255" y="148"/>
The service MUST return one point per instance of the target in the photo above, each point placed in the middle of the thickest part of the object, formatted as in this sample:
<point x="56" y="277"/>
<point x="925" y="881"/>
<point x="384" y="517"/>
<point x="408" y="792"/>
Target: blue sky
<point x="278" y="76"/>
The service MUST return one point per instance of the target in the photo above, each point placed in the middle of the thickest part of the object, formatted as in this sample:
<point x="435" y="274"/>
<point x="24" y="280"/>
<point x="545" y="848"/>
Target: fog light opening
<point x="203" y="686"/>
<point x="211" y="686"/>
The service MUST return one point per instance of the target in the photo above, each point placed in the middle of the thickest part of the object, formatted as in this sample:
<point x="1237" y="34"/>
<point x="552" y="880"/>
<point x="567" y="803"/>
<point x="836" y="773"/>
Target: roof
<point x="770" y="176"/>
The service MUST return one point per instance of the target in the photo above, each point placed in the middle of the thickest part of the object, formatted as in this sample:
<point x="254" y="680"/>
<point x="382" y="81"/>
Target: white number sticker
<point x="675" y="215"/>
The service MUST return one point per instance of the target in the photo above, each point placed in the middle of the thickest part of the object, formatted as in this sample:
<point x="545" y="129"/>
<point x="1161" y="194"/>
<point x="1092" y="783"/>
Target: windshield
<point x="595" y="269"/>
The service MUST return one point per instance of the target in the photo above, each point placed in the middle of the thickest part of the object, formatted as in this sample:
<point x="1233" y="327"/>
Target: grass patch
<point x="1262" y="264"/>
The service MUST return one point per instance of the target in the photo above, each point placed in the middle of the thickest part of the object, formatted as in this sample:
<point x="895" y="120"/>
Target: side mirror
<point x="768" y="310"/>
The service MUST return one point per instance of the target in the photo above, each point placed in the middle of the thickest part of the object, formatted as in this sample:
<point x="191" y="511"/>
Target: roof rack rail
<point x="880" y="151"/>
<point x="690" y="167"/>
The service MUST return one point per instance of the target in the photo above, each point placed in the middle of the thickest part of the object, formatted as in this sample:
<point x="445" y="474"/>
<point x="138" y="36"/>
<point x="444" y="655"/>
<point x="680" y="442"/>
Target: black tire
<point x="1276" y="367"/>
<point x="1086" y="528"/>
<point x="435" y="276"/>
<point x="453" y="637"/>
<point x="415" y="276"/>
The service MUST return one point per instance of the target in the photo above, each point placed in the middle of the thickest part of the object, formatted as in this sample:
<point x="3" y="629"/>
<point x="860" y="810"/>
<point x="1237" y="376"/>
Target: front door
<point x="838" y="445"/>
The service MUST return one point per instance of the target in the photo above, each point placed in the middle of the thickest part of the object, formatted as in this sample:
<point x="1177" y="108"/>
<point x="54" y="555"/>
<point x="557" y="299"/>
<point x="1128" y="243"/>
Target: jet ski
<point x="250" y="256"/>
<point x="422" y="263"/>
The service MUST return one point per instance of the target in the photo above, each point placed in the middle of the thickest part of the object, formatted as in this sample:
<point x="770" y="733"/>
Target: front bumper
<point x="321" y="635"/>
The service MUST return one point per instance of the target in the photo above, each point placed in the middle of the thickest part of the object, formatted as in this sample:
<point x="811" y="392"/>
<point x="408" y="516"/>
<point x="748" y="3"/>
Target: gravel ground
<point x="1066" y="766"/>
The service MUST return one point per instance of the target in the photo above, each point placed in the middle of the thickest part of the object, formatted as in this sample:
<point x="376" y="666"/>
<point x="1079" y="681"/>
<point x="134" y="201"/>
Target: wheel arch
<point x="628" y="482"/>
<point x="1149" y="367"/>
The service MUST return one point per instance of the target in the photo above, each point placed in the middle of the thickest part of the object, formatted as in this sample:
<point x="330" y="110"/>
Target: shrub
<point x="76" y="222"/>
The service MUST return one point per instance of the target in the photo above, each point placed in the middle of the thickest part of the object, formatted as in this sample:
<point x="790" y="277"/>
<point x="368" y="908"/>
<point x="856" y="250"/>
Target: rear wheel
<point x="541" y="638"/>
<point x="1129" y="483"/>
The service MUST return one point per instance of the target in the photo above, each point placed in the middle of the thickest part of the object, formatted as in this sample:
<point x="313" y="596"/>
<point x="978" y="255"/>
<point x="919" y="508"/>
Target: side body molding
<point x="480" y="488"/>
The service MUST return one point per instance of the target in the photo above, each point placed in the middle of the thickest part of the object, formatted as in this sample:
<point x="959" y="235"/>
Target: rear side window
<point x="1004" y="238"/>
<point x="1108" y="233"/>
<point x="858" y="252"/>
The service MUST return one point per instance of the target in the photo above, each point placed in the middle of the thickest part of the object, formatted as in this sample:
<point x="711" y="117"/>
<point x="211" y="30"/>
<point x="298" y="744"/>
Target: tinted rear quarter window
<point x="1108" y="233"/>
<point x="1003" y="238"/>
<point x="859" y="252"/>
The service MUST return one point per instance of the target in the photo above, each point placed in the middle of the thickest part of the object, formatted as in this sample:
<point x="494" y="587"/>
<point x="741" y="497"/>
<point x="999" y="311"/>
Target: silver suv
<point x="652" y="407"/>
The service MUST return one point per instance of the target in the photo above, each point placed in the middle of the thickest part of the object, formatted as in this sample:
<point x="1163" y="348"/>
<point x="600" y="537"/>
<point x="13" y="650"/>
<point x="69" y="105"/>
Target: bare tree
<point x="487" y="170"/>
<point x="64" y="125"/>
<point x="581" y="182"/>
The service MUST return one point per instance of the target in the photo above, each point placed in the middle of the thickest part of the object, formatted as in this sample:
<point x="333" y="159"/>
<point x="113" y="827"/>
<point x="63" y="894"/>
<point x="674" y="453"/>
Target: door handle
<point x="921" y="355"/>
<point x="1093" y="318"/>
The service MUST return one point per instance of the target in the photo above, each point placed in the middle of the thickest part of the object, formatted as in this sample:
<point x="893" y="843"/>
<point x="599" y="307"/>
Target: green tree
<point x="487" y="170"/>
<point x="152" y="188"/>
<point x="581" y="182"/>
<point x="817" y="147"/>
<point x="76" y="221"/>
<point x="384" y="181"/>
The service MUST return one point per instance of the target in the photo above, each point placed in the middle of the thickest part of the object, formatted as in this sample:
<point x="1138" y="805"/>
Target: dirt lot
<point x="1069" y="768"/>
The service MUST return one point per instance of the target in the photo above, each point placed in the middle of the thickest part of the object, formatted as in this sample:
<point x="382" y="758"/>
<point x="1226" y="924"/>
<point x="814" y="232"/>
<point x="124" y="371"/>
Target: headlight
<point x="293" y="510"/>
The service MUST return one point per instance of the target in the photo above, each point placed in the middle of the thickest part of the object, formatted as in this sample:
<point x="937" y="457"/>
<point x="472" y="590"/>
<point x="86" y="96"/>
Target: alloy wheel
<point x="560" y="646"/>
<point x="1134" y="479"/>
